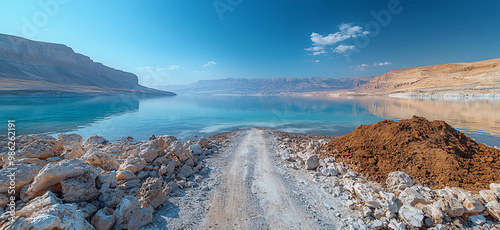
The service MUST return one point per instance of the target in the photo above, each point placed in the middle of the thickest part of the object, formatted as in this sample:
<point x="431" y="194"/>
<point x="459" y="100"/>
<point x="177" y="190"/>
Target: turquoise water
<point x="185" y="116"/>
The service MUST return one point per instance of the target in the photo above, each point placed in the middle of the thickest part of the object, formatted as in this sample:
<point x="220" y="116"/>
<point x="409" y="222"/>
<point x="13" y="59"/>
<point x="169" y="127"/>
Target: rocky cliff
<point x="482" y="77"/>
<point x="29" y="66"/>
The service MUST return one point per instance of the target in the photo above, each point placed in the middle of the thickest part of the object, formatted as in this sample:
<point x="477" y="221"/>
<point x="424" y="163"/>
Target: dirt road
<point x="249" y="188"/>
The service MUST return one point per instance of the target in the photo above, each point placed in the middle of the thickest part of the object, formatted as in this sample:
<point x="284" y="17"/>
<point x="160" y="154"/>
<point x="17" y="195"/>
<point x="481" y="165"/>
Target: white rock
<point x="411" y="216"/>
<point x="398" y="181"/>
<point x="196" y="149"/>
<point x="412" y="197"/>
<point x="152" y="192"/>
<point x="488" y="195"/>
<point x="312" y="162"/>
<point x="327" y="171"/>
<point x="493" y="208"/>
<point x="495" y="187"/>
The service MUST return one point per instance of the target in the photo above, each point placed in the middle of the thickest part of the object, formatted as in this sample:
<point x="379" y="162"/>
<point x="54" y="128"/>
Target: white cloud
<point x="346" y="31"/>
<point x="160" y="69"/>
<point x="343" y="48"/>
<point x="319" y="52"/>
<point x="362" y="66"/>
<point x="210" y="63"/>
<point x="382" y="63"/>
<point x="316" y="60"/>
<point x="174" y="67"/>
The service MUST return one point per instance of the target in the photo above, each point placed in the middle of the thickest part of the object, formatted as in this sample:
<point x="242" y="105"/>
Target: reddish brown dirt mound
<point x="433" y="153"/>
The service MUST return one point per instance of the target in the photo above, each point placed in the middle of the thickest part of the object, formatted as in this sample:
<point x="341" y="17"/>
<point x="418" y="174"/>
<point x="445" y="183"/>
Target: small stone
<point x="412" y="216"/>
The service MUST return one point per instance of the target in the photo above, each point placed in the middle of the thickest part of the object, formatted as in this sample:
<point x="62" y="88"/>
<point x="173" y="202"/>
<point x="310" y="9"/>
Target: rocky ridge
<point x="66" y="183"/>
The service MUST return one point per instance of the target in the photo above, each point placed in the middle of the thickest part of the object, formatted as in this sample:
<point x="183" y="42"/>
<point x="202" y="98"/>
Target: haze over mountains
<point x="264" y="86"/>
<point x="477" y="78"/>
<point x="30" y="68"/>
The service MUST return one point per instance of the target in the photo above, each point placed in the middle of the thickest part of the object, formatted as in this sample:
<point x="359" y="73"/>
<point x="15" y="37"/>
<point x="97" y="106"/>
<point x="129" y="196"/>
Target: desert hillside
<point x="30" y="67"/>
<point x="481" y="77"/>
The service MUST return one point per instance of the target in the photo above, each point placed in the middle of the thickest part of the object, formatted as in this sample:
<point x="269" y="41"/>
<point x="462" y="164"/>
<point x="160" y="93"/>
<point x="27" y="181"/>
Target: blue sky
<point x="181" y="41"/>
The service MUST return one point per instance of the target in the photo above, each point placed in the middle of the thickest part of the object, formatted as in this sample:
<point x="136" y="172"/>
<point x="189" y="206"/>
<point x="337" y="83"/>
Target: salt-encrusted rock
<point x="133" y="164"/>
<point x="124" y="211"/>
<point x="178" y="150"/>
<point x="48" y="211"/>
<point x="71" y="145"/>
<point x="107" y="177"/>
<point x="42" y="148"/>
<point x="411" y="216"/>
<point x="103" y="219"/>
<point x="152" y="193"/>
<point x="23" y="175"/>
<point x="312" y="162"/>
<point x="80" y="188"/>
<point x="95" y="141"/>
<point x="186" y="171"/>
<point x="167" y="140"/>
<point x="389" y="202"/>
<point x="472" y="206"/>
<point x="140" y="217"/>
<point x="377" y="224"/>
<point x="54" y="173"/>
<point x="203" y="142"/>
<point x="110" y="197"/>
<point x="451" y="206"/>
<point x="412" y="197"/>
<point x="35" y="161"/>
<point x="163" y="170"/>
<point x="125" y="174"/>
<point x="398" y="182"/>
<point x="477" y="219"/>
<point x="98" y="158"/>
<point x="196" y="149"/>
<point x="151" y="150"/>
<point x="488" y="195"/>
<point x="329" y="171"/>
<point x="440" y="227"/>
<point x="396" y="225"/>
<point x="495" y="187"/>
<point x="493" y="208"/>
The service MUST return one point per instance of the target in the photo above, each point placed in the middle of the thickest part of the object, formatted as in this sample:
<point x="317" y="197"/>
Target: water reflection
<point x="55" y="115"/>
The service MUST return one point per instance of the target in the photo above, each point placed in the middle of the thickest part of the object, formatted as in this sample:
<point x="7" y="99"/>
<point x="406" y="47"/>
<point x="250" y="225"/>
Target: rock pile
<point x="398" y="202"/>
<point x="66" y="183"/>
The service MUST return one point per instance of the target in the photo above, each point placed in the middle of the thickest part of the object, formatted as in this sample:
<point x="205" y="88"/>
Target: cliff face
<point x="481" y="77"/>
<point x="274" y="86"/>
<point x="27" y="65"/>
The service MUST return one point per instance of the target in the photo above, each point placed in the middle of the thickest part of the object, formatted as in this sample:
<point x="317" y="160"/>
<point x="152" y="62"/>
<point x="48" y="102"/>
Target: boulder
<point x="152" y="192"/>
<point x="54" y="173"/>
<point x="133" y="164"/>
<point x="411" y="216"/>
<point x="312" y="162"/>
<point x="367" y="194"/>
<point x="80" y="188"/>
<point x="196" y="149"/>
<point x="186" y="171"/>
<point x="412" y="197"/>
<point x="488" y="195"/>
<point x="163" y="170"/>
<point x="125" y="174"/>
<point x="495" y="187"/>
<point x="87" y="209"/>
<point x="435" y="212"/>
<point x="71" y="145"/>
<point x="95" y="141"/>
<point x="160" y="161"/>
<point x="151" y="150"/>
<point x="178" y="150"/>
<point x="107" y="177"/>
<point x="171" y="186"/>
<point x="472" y="206"/>
<point x="477" y="219"/>
<point x="23" y="174"/>
<point x="140" y="217"/>
<point x="203" y="142"/>
<point x="398" y="182"/>
<point x="97" y="158"/>
<point x="451" y="206"/>
<point x="189" y="162"/>
<point x="493" y="208"/>
<point x="103" y="219"/>
<point x="42" y="148"/>
<point x="124" y="210"/>
<point x="170" y="167"/>
<point x="389" y="202"/>
<point x="167" y="140"/>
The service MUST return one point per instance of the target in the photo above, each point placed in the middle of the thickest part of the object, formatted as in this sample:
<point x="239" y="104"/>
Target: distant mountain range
<point x="468" y="78"/>
<point x="263" y="86"/>
<point x="38" y="68"/>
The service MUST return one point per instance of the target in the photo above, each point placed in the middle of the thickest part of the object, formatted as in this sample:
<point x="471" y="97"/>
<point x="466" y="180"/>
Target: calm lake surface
<point x="115" y="117"/>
